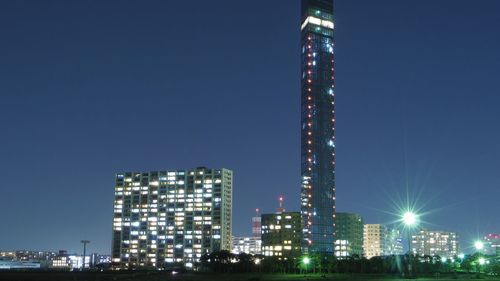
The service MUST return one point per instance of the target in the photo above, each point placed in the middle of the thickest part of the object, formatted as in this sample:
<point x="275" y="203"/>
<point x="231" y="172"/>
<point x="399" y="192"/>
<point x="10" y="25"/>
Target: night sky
<point x="92" y="88"/>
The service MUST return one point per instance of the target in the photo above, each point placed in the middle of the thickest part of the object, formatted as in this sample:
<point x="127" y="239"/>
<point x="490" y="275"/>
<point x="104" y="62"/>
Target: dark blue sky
<point x="91" y="88"/>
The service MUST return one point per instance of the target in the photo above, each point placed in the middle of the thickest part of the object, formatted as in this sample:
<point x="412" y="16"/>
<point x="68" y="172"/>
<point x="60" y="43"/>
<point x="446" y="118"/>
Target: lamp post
<point x="85" y="242"/>
<point x="479" y="245"/>
<point x="306" y="262"/>
<point x="409" y="219"/>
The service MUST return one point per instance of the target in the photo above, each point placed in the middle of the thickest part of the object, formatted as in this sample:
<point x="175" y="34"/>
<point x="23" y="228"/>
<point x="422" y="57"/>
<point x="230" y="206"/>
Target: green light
<point x="482" y="261"/>
<point x="306" y="260"/>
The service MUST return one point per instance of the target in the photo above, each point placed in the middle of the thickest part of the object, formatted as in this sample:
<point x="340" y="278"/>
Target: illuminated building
<point x="380" y="240"/>
<point x="348" y="235"/>
<point x="281" y="235"/>
<point x="394" y="242"/>
<point x="373" y="240"/>
<point x="492" y="244"/>
<point x="435" y="243"/>
<point x="167" y="217"/>
<point x="248" y="245"/>
<point x="317" y="127"/>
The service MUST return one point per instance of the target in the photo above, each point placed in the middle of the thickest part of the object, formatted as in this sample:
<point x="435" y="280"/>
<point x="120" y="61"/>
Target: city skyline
<point x="93" y="88"/>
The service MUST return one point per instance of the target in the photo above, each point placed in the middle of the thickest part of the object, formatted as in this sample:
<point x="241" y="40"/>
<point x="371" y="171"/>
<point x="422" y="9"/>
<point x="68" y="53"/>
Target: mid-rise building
<point x="373" y="240"/>
<point x="435" y="243"/>
<point x="317" y="126"/>
<point x="381" y="240"/>
<point x="167" y="217"/>
<point x="348" y="235"/>
<point x="248" y="245"/>
<point x="281" y="235"/>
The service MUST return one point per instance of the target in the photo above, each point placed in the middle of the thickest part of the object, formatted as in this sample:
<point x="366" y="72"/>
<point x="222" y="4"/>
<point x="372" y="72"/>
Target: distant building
<point x="248" y="245"/>
<point x="6" y="264"/>
<point x="348" y="235"/>
<point x="166" y="217"/>
<point x="394" y="242"/>
<point x="492" y="244"/>
<point x="281" y="235"/>
<point x="435" y="243"/>
<point x="256" y="224"/>
<point x="380" y="240"/>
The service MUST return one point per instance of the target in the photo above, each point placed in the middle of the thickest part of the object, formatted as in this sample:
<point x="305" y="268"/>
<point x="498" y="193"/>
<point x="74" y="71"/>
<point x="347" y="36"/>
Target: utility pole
<point x="85" y="242"/>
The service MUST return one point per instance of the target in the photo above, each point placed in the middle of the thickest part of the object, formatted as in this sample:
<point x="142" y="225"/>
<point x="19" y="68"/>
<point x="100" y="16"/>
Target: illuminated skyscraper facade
<point x="317" y="127"/>
<point x="163" y="218"/>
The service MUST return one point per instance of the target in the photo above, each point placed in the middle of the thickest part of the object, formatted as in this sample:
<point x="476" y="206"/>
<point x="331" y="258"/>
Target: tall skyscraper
<point x="318" y="127"/>
<point x="167" y="217"/>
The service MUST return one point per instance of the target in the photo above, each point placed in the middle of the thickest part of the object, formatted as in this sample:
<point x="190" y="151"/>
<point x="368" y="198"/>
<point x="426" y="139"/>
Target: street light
<point x="85" y="242"/>
<point x="479" y="245"/>
<point x="306" y="262"/>
<point x="409" y="219"/>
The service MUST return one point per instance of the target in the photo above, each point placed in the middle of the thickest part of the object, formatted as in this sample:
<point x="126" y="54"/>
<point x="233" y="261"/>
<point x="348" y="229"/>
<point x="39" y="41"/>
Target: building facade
<point x="348" y="235"/>
<point x="281" y="235"/>
<point x="435" y="243"/>
<point x="317" y="126"/>
<point x="394" y="242"/>
<point x="162" y="218"/>
<point x="381" y="240"/>
<point x="373" y="240"/>
<point x="248" y="245"/>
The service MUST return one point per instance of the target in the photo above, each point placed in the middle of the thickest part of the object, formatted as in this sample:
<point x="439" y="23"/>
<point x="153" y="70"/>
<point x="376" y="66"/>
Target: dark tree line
<point x="224" y="261"/>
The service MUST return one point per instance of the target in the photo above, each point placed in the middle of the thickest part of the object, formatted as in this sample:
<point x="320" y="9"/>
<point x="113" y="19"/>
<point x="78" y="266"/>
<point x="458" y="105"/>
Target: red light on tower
<point x="281" y="209"/>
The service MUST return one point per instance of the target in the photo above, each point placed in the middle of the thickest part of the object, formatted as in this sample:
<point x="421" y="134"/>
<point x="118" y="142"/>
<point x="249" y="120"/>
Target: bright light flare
<point x="409" y="218"/>
<point x="479" y="245"/>
<point x="306" y="260"/>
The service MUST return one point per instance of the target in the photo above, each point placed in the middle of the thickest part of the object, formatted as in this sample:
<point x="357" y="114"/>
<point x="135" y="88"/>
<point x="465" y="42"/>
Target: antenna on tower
<point x="281" y="208"/>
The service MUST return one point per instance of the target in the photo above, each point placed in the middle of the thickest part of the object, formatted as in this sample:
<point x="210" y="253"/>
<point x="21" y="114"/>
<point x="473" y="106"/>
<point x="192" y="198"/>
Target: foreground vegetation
<point x="157" y="276"/>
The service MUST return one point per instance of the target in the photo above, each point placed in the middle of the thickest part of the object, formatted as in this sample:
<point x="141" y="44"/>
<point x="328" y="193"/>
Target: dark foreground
<point x="156" y="276"/>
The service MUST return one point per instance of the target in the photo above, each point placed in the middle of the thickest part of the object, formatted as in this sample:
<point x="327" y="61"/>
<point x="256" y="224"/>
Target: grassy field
<point x="156" y="276"/>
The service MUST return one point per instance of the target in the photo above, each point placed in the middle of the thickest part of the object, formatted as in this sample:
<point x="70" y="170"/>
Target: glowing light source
<point x="479" y="245"/>
<point x="306" y="260"/>
<point x="409" y="218"/>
